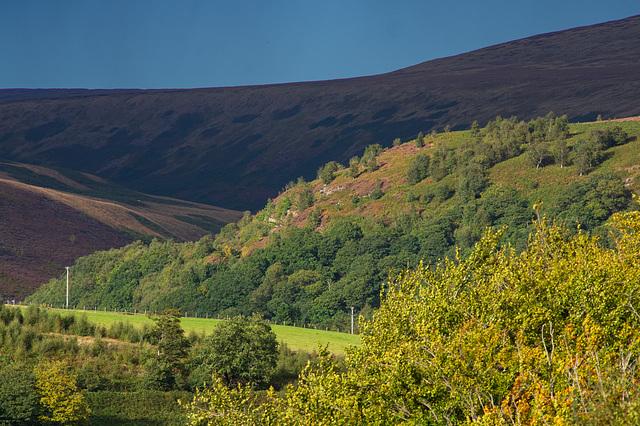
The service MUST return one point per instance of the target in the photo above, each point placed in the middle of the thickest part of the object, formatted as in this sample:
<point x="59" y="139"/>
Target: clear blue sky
<point x="198" y="43"/>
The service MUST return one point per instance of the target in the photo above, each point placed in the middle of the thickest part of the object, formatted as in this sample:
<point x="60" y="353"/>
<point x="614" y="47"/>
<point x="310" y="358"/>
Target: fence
<point x="185" y="315"/>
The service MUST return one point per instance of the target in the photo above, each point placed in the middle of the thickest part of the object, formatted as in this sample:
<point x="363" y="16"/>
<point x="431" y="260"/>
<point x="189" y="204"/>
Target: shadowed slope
<point x="236" y="146"/>
<point x="45" y="227"/>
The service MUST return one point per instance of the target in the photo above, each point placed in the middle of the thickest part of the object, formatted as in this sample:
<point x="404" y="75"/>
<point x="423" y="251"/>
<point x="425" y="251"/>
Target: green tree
<point x="218" y="405"/>
<point x="354" y="167"/>
<point x="538" y="152"/>
<point x="419" y="169"/>
<point x="475" y="130"/>
<point x="377" y="191"/>
<point x="560" y="152"/>
<point x="305" y="198"/>
<point x="588" y="154"/>
<point x="420" y="140"/>
<point x="19" y="401"/>
<point x="327" y="172"/>
<point x="168" y="335"/>
<point x="240" y="350"/>
<point x="546" y="336"/>
<point x="471" y="183"/>
<point x="282" y="207"/>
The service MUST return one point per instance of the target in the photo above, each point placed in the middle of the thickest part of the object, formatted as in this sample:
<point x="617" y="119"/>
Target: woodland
<point x="494" y="272"/>
<point x="312" y="270"/>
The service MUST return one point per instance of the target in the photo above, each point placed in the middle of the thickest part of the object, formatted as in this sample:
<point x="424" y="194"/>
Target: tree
<point x="305" y="198"/>
<point x="172" y="348"/>
<point x="168" y="335"/>
<point x="240" y="350"/>
<point x="419" y="169"/>
<point x="377" y="193"/>
<point x="327" y="172"/>
<point x="538" y="152"/>
<point x="471" y="183"/>
<point x="19" y="401"/>
<point x="60" y="398"/>
<point x="369" y="158"/>
<point x="420" y="140"/>
<point x="354" y="167"/>
<point x="588" y="154"/>
<point x="560" y="151"/>
<point x="218" y="405"/>
<point x="475" y="130"/>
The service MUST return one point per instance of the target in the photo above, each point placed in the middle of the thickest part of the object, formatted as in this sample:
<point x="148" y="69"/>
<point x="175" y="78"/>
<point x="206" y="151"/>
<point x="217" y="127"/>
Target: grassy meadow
<point x="296" y="338"/>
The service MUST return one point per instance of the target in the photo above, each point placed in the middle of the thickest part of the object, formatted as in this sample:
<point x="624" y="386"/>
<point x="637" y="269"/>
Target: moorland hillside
<point x="52" y="217"/>
<point x="237" y="146"/>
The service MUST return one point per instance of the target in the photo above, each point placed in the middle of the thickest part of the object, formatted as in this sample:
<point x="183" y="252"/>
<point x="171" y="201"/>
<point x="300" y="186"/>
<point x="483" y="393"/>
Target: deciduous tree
<point x="60" y="398"/>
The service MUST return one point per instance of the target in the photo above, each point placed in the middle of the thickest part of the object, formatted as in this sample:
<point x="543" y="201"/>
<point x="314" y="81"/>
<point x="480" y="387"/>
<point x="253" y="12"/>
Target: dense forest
<point x="318" y="249"/>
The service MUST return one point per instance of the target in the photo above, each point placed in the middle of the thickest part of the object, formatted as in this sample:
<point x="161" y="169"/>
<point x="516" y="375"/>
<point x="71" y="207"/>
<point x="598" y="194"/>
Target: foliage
<point x="369" y="158"/>
<point x="589" y="203"/>
<point x="377" y="193"/>
<point x="548" y="336"/>
<point x="147" y="407"/>
<point x="19" y="402"/>
<point x="218" y="405"/>
<point x="327" y="172"/>
<point x="305" y="198"/>
<point x="241" y="350"/>
<point x="354" y="167"/>
<point x="419" y="169"/>
<point x="168" y="335"/>
<point x="59" y="396"/>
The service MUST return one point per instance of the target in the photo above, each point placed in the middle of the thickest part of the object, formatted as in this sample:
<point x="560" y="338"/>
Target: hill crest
<point x="237" y="146"/>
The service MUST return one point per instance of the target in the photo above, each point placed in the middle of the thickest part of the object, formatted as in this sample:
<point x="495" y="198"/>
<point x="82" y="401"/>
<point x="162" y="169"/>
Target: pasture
<point x="296" y="338"/>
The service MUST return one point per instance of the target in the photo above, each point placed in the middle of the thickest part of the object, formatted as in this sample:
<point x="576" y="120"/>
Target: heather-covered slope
<point x="237" y="146"/>
<point x="49" y="218"/>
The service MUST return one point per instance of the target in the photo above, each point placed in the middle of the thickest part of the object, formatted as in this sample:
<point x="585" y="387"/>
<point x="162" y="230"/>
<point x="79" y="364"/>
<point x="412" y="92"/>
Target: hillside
<point x="323" y="246"/>
<point x="52" y="217"/>
<point x="237" y="146"/>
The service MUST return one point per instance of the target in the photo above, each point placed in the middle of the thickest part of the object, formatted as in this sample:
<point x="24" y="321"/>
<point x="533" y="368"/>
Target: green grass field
<point x="296" y="338"/>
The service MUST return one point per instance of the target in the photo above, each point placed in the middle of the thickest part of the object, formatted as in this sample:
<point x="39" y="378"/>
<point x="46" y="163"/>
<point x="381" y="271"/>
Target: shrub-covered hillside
<point x="546" y="336"/>
<point x="324" y="246"/>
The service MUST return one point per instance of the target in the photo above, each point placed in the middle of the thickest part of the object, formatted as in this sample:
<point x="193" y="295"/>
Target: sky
<point x="196" y="43"/>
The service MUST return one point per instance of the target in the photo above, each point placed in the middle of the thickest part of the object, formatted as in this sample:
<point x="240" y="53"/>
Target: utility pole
<point x="352" y="320"/>
<point x="67" y="286"/>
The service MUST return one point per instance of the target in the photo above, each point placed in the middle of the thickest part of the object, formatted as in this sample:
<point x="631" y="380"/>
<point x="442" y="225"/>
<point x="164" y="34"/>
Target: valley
<point x="475" y="219"/>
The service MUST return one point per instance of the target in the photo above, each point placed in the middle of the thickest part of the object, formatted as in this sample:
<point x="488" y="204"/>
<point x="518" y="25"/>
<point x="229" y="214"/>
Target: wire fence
<point x="154" y="312"/>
